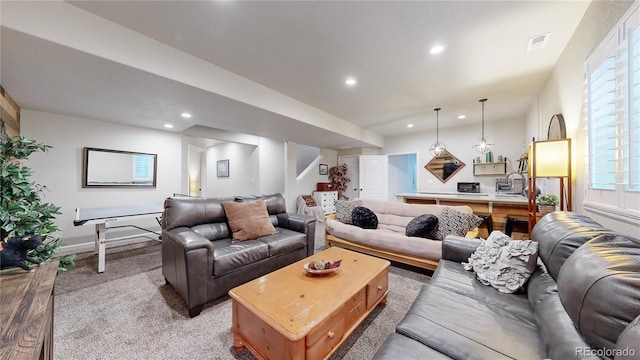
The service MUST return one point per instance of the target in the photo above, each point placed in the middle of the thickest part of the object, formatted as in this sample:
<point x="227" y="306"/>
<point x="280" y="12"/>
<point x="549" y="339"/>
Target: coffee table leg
<point x="237" y="343"/>
<point x="383" y="302"/>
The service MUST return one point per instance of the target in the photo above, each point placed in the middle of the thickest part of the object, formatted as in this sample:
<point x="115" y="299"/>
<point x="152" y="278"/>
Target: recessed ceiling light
<point x="351" y="81"/>
<point x="168" y="126"/>
<point x="409" y="125"/>
<point x="462" y="116"/>
<point x="185" y="115"/>
<point x="436" y="49"/>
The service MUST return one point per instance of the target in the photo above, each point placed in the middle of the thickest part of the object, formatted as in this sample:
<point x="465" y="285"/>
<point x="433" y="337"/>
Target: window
<point x="613" y="122"/>
<point x="613" y="96"/>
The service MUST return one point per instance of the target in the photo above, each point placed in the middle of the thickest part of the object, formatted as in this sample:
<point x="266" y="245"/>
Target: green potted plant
<point x="22" y="211"/>
<point x="546" y="203"/>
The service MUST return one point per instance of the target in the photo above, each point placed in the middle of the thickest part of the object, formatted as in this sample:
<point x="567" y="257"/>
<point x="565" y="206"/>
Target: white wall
<point x="307" y="183"/>
<point x="563" y="94"/>
<point x="243" y="170"/>
<point x="509" y="137"/>
<point x="272" y="166"/>
<point x="61" y="168"/>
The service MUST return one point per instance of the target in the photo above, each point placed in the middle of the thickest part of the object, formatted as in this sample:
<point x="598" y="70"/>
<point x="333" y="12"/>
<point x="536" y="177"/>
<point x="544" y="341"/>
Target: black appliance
<point x="469" y="187"/>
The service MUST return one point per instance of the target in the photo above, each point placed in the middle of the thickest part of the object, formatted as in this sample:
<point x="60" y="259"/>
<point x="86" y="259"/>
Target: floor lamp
<point x="549" y="159"/>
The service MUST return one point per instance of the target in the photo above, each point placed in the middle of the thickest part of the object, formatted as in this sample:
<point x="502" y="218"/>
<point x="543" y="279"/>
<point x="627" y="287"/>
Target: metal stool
<point x="486" y="219"/>
<point x="512" y="220"/>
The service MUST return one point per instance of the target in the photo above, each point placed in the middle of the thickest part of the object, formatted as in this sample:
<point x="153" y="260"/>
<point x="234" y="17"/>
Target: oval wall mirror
<point x="444" y="166"/>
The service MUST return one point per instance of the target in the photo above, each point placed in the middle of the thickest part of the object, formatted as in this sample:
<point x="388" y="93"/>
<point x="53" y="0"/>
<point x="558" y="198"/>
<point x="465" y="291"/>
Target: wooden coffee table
<point x="291" y="314"/>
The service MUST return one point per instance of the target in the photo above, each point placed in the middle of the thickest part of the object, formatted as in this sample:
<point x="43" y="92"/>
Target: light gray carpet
<point x="129" y="313"/>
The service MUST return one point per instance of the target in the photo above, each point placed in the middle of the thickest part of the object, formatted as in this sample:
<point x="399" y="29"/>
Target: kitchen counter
<point x="471" y="197"/>
<point x="498" y="206"/>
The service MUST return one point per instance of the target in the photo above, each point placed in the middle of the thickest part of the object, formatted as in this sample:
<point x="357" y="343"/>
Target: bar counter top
<point x="467" y="197"/>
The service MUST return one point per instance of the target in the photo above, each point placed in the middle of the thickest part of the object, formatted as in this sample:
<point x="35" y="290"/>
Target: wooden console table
<point x="27" y="312"/>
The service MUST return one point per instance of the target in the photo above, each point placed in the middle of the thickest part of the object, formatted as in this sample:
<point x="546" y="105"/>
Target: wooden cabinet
<point x="326" y="200"/>
<point x="492" y="168"/>
<point x="27" y="312"/>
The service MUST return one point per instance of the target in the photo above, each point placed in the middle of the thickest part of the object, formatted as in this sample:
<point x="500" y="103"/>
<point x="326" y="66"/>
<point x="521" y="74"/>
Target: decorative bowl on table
<point x="322" y="266"/>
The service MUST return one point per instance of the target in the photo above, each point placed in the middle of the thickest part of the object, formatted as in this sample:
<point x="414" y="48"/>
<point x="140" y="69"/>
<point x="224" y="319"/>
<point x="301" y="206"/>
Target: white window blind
<point x="613" y="95"/>
<point x="612" y="110"/>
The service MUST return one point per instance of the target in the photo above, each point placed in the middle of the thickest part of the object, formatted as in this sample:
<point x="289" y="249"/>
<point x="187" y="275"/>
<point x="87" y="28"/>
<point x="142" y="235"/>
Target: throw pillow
<point x="309" y="200"/>
<point x="364" y="218"/>
<point x="424" y="226"/>
<point x="248" y="220"/>
<point x="453" y="222"/>
<point x="344" y="209"/>
<point x="504" y="263"/>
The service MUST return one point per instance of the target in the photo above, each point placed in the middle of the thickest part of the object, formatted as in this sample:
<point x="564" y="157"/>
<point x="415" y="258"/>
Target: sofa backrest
<point x="599" y="286"/>
<point x="559" y="234"/>
<point x="191" y="212"/>
<point x="395" y="216"/>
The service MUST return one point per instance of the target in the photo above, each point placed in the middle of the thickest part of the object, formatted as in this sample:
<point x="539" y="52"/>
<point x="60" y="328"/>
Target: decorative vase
<point x="545" y="209"/>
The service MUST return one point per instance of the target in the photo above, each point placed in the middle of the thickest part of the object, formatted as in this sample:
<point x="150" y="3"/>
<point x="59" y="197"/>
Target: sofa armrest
<point x="458" y="248"/>
<point x="300" y="223"/>
<point x="187" y="264"/>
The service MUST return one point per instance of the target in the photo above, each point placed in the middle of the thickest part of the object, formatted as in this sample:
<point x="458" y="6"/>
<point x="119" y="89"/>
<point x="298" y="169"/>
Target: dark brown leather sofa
<point x="200" y="261"/>
<point x="582" y="302"/>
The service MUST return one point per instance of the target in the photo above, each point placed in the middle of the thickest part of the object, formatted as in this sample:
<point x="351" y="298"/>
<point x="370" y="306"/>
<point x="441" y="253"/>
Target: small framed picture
<point x="223" y="168"/>
<point x="324" y="169"/>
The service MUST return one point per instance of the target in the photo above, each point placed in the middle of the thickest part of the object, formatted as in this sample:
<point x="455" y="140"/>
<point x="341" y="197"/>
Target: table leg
<point x="101" y="237"/>
<point x="237" y="343"/>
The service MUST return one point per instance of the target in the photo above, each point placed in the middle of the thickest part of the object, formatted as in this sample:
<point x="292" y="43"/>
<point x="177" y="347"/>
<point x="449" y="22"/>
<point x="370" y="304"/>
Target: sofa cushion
<point x="213" y="231"/>
<point x="397" y="347"/>
<point x="386" y="239"/>
<point x="628" y="340"/>
<point x="559" y="234"/>
<point x="344" y="209"/>
<point x="248" y="220"/>
<point x="504" y="263"/>
<point x="469" y="328"/>
<point x="559" y="337"/>
<point x="424" y="226"/>
<point x="284" y="241"/>
<point x="599" y="285"/>
<point x="453" y="222"/>
<point x="452" y="276"/>
<point x="364" y="218"/>
<point x="228" y="256"/>
<point x="188" y="211"/>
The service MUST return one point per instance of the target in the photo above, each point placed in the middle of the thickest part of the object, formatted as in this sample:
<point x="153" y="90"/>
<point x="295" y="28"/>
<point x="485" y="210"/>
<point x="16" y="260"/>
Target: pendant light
<point x="437" y="148"/>
<point x="483" y="144"/>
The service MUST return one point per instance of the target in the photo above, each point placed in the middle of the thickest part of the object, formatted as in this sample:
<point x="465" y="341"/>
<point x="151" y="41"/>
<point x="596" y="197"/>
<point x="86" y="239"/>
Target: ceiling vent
<point x="538" y="42"/>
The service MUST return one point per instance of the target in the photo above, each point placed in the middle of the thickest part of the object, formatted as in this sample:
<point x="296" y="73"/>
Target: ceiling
<point x="277" y="68"/>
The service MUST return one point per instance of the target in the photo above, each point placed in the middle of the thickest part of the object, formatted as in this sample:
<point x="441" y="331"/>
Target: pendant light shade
<point x="437" y="148"/>
<point x="483" y="144"/>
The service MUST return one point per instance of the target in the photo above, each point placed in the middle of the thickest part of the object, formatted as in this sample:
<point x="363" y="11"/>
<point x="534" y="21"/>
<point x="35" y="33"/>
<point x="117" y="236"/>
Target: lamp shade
<point x="552" y="158"/>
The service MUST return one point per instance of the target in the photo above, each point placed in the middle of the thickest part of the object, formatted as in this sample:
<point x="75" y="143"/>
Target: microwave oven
<point x="469" y="187"/>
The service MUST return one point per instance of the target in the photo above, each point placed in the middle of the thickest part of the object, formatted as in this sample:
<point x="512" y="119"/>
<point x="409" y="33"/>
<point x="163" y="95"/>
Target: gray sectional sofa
<point x="582" y="302"/>
<point x="202" y="263"/>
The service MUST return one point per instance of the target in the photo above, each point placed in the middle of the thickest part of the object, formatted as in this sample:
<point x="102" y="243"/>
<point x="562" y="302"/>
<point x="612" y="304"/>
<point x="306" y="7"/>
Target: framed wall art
<point x="323" y="169"/>
<point x="222" y="167"/>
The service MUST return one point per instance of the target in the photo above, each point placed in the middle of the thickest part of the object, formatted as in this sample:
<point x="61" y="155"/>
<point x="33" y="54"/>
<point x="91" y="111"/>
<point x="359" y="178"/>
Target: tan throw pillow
<point x="248" y="220"/>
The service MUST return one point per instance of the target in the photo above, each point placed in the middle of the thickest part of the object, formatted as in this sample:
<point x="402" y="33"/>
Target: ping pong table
<point x="106" y="218"/>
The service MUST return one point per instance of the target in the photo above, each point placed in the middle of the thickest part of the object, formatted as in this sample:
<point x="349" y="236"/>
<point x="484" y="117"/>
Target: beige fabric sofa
<point x="389" y="240"/>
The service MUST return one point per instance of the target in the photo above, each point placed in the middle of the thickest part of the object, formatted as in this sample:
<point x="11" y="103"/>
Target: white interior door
<point x="374" y="177"/>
